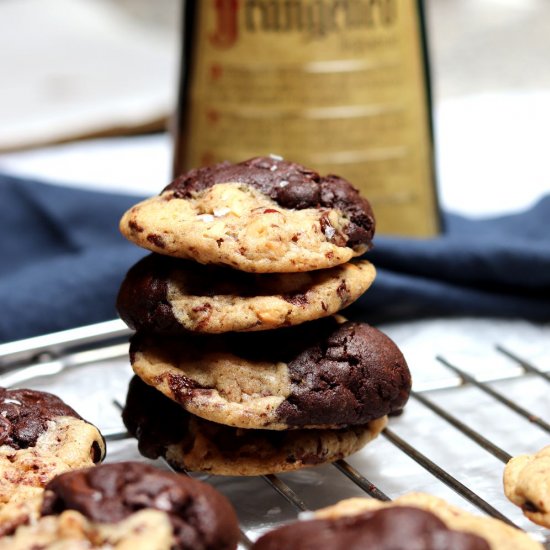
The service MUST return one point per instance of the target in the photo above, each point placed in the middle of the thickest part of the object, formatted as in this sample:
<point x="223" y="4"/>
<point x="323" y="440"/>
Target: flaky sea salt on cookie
<point x="40" y="437"/>
<point x="170" y="295"/>
<point x="163" y="428"/>
<point x="263" y="215"/>
<point x="321" y="374"/>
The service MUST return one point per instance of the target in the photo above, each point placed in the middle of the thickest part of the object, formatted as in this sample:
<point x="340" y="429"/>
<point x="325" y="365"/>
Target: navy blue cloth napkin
<point x="63" y="259"/>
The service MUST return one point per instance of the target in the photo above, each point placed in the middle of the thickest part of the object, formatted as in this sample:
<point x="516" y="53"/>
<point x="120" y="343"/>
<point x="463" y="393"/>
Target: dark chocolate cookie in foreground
<point x="496" y="534"/>
<point x="169" y="295"/>
<point x="263" y="215"/>
<point x="187" y="442"/>
<point x="201" y="518"/>
<point x="322" y="374"/>
<point x="399" y="528"/>
<point x="40" y="437"/>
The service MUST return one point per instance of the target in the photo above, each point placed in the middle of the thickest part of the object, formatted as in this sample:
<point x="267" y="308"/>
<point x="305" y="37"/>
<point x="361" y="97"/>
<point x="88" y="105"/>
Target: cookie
<point x="187" y="442"/>
<point x="263" y="215"/>
<point x="496" y="533"/>
<point x="322" y="374"/>
<point x="130" y="505"/>
<point x="70" y="530"/>
<point x="169" y="295"/>
<point x="40" y="437"/>
<point x="527" y="484"/>
<point x="398" y="528"/>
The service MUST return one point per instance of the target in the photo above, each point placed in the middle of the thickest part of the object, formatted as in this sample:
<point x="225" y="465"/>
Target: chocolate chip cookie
<point x="322" y="374"/>
<point x="399" y="528"/>
<point x="263" y="215"/>
<point x="527" y="484"/>
<point x="169" y="295"/>
<point x="129" y="505"/>
<point x="497" y="534"/>
<point x="40" y="437"/>
<point x="190" y="443"/>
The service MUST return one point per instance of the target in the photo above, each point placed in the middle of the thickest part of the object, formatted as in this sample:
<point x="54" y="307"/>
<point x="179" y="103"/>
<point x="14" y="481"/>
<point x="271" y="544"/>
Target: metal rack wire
<point x="21" y="362"/>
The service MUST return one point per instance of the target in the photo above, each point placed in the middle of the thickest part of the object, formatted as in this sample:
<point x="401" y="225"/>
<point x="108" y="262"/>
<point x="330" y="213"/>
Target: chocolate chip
<point x="530" y="506"/>
<point x="134" y="226"/>
<point x="343" y="292"/>
<point x="332" y="235"/>
<point x="300" y="194"/>
<point x="297" y="299"/>
<point x="157" y="240"/>
<point x="182" y="387"/>
<point x="96" y="453"/>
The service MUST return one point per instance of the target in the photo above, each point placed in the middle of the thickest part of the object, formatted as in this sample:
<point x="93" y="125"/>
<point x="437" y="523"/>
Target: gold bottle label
<point x="337" y="85"/>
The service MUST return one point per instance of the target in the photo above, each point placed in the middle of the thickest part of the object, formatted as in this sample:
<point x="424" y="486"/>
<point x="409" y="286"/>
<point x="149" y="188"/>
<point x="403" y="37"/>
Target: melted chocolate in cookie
<point x="202" y="518"/>
<point x="24" y="416"/>
<point x="289" y="184"/>
<point x="142" y="299"/>
<point x="145" y="414"/>
<point x="351" y="375"/>
<point x="399" y="528"/>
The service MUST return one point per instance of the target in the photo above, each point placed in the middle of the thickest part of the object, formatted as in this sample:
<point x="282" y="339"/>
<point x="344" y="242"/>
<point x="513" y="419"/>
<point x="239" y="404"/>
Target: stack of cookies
<point x="242" y="366"/>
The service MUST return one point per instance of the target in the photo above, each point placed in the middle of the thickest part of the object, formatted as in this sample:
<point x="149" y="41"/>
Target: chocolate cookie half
<point x="400" y="528"/>
<point x="527" y="484"/>
<point x="263" y="215"/>
<point x="40" y="437"/>
<point x="169" y="295"/>
<point x="496" y="534"/>
<point x="321" y="374"/>
<point x="187" y="442"/>
<point x="130" y="505"/>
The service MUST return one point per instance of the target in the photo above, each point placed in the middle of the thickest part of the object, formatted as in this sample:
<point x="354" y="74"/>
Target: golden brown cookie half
<point x="263" y="215"/>
<point x="40" y="437"/>
<point x="169" y="295"/>
<point x="395" y="528"/>
<point x="187" y="442"/>
<point x="322" y="374"/>
<point x="527" y="484"/>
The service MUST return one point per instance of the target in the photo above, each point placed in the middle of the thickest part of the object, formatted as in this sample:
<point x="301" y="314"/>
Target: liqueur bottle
<point x="341" y="86"/>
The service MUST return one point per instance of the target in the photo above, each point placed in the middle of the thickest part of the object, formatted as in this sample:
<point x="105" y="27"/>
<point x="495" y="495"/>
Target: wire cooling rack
<point x="468" y="414"/>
